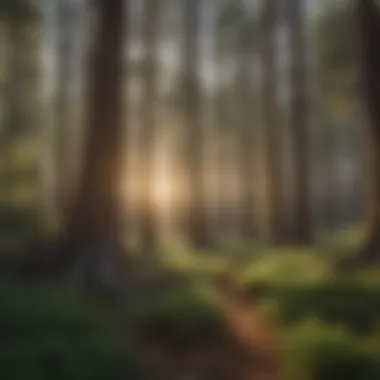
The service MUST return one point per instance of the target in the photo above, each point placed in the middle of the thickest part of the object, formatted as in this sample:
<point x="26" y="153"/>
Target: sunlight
<point x="162" y="191"/>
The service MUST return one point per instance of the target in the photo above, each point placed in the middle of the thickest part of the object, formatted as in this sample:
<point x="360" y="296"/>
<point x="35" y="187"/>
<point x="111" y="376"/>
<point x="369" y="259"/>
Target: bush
<point x="352" y="305"/>
<point x="180" y="315"/>
<point x="295" y="265"/>
<point x="316" y="352"/>
<point x="50" y="332"/>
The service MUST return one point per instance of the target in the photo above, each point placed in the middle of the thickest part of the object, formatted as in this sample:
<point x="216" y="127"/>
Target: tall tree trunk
<point x="64" y="10"/>
<point x="222" y="120"/>
<point x="148" y="128"/>
<point x="246" y="145"/>
<point x="270" y="114"/>
<point x="93" y="225"/>
<point x="302" y="232"/>
<point x="198" y="226"/>
<point x="368" y="15"/>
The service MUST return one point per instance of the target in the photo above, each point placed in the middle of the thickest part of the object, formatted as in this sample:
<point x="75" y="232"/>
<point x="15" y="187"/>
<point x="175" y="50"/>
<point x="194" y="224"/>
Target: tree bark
<point x="198" y="224"/>
<point x="62" y="130"/>
<point x="148" y="128"/>
<point x="368" y="15"/>
<point x="93" y="224"/>
<point x="247" y="131"/>
<point x="270" y="114"/>
<point x="302" y="232"/>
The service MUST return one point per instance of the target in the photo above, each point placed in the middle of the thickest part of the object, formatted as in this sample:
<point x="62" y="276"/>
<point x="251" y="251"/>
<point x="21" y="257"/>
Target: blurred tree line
<point x="251" y="104"/>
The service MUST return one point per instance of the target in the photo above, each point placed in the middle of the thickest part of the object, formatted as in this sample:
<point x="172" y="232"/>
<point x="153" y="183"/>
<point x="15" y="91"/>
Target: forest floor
<point x="283" y="315"/>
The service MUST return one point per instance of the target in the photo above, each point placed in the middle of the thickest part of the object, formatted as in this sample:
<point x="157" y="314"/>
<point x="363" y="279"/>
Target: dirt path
<point x="245" y="349"/>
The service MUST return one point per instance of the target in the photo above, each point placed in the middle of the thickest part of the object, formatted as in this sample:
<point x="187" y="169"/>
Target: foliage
<point x="349" y="304"/>
<point x="179" y="257"/>
<point x="290" y="265"/>
<point x="180" y="315"/>
<point x="50" y="332"/>
<point x="313" y="351"/>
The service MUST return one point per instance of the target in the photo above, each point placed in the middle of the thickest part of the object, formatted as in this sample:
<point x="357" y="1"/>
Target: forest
<point x="189" y="190"/>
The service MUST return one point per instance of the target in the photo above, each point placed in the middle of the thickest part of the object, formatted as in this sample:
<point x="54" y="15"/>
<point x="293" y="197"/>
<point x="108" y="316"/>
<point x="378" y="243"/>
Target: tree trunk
<point x="302" y="232"/>
<point x="224" y="217"/>
<point x="198" y="226"/>
<point x="64" y="11"/>
<point x="148" y="128"/>
<point x="247" y="117"/>
<point x="93" y="225"/>
<point x="368" y="15"/>
<point x="270" y="114"/>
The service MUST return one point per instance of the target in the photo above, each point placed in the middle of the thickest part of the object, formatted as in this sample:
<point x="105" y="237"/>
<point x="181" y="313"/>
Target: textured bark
<point x="369" y="23"/>
<point x="368" y="15"/>
<point x="93" y="225"/>
<point x="271" y="121"/>
<point x="302" y="232"/>
<point x="148" y="127"/>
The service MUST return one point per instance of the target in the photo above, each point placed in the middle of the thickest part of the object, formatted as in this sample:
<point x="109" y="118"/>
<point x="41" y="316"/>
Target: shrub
<point x="352" y="305"/>
<point x="50" y="332"/>
<point x="292" y="265"/>
<point x="313" y="351"/>
<point x="180" y="315"/>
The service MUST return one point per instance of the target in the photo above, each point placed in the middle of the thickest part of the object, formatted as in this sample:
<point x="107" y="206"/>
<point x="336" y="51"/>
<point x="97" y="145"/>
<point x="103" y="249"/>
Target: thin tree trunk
<point x="62" y="135"/>
<point x="271" y="121"/>
<point x="148" y="117"/>
<point x="246" y="165"/>
<point x="222" y="118"/>
<point x="302" y="232"/>
<point x="198" y="226"/>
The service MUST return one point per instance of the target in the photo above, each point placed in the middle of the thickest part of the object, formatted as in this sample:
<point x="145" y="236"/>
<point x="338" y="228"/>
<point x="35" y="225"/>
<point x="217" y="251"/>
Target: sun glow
<point x="162" y="190"/>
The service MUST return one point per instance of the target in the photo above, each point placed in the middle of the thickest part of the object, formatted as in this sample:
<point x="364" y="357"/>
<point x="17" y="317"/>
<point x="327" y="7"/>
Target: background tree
<point x="247" y="64"/>
<point x="299" y="123"/>
<point x="270" y="115"/>
<point x="65" y="26"/>
<point x="368" y="15"/>
<point x="198" y="219"/>
<point x="225" y="110"/>
<point x="148" y="128"/>
<point x="338" y="111"/>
